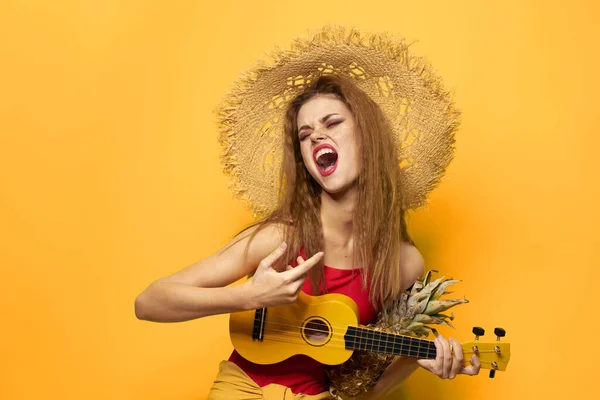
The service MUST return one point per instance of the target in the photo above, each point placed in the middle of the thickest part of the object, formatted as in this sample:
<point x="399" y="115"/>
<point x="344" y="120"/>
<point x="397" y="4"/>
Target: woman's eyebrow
<point x="323" y="120"/>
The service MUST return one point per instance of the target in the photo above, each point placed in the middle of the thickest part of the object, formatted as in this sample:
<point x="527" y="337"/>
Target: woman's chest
<point x="349" y="283"/>
<point x="341" y="257"/>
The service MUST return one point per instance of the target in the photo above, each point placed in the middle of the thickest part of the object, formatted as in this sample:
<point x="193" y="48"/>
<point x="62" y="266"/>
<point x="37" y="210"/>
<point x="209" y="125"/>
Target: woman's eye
<point x="334" y="123"/>
<point x="304" y="135"/>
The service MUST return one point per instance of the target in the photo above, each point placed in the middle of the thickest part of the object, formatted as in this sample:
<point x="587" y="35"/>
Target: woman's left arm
<point x="446" y="365"/>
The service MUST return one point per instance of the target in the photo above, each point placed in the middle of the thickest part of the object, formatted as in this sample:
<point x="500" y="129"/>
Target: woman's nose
<point x="318" y="135"/>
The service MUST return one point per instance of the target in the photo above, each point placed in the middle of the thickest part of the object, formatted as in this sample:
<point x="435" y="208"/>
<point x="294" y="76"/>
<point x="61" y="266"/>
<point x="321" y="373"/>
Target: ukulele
<point x="326" y="328"/>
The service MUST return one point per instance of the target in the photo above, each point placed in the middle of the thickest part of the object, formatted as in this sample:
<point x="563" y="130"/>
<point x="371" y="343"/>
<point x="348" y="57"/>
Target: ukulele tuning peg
<point x="500" y="333"/>
<point x="493" y="370"/>
<point x="478" y="331"/>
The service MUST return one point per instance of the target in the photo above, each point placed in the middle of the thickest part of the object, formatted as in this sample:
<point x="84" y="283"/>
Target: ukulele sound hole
<point x="316" y="331"/>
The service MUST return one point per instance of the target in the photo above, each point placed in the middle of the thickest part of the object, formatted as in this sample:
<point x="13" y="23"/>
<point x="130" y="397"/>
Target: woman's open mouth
<point x="325" y="158"/>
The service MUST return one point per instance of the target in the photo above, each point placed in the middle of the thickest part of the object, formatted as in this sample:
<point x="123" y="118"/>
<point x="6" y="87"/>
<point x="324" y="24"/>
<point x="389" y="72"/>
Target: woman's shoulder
<point x="261" y="239"/>
<point x="265" y="232"/>
<point x="413" y="264"/>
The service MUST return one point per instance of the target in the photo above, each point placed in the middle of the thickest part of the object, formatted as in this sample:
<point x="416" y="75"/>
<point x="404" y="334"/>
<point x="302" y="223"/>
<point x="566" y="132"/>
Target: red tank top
<point x="301" y="373"/>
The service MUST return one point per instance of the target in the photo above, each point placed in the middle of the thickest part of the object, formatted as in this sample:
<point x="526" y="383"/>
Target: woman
<point x="341" y="217"/>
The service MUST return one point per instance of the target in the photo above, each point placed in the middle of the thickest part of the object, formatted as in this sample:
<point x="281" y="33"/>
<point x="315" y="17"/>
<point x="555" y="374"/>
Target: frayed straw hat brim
<point x="421" y="113"/>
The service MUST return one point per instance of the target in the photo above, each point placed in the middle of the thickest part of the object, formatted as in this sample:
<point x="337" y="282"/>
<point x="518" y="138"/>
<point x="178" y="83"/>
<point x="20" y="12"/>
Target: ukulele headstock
<point x="493" y="355"/>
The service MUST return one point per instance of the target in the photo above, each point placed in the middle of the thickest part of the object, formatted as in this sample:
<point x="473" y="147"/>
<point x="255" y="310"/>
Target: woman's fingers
<point x="269" y="260"/>
<point x="457" y="360"/>
<point x="449" y="360"/>
<point x="474" y="368"/>
<point x="302" y="269"/>
<point x="446" y="357"/>
<point x="435" y="366"/>
<point x="427" y="364"/>
<point x="276" y="288"/>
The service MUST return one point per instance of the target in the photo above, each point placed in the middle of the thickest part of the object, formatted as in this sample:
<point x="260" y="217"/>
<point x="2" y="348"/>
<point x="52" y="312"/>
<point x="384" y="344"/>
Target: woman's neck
<point x="337" y="213"/>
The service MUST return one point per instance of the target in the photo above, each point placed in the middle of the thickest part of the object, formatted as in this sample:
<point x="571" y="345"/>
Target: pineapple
<point x="411" y="314"/>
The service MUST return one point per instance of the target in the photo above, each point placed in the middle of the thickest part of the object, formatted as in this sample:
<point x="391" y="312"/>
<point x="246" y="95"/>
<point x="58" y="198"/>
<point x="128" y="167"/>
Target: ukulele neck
<point x="368" y="340"/>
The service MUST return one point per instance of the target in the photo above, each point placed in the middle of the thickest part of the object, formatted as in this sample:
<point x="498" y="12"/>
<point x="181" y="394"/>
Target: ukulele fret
<point x="404" y="346"/>
<point x="412" y="351"/>
<point x="370" y="341"/>
<point x="380" y="348"/>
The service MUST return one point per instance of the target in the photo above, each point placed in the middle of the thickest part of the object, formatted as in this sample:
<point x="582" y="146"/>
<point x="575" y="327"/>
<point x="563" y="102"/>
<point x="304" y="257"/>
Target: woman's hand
<point x="272" y="288"/>
<point x="447" y="365"/>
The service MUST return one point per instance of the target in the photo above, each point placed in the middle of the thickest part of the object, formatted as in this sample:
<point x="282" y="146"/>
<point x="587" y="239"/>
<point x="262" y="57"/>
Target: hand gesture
<point x="273" y="288"/>
<point x="446" y="364"/>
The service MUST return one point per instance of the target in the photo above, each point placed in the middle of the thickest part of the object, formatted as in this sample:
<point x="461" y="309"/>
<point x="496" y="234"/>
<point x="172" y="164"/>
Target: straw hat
<point x="419" y="110"/>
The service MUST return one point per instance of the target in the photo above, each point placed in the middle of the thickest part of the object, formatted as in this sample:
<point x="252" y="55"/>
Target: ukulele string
<point x="335" y="327"/>
<point x="271" y="317"/>
<point x="274" y="337"/>
<point x="431" y="353"/>
<point x="360" y="338"/>
<point x="290" y="339"/>
<point x="335" y="335"/>
<point x="336" y="342"/>
<point x="372" y="342"/>
<point x="326" y="331"/>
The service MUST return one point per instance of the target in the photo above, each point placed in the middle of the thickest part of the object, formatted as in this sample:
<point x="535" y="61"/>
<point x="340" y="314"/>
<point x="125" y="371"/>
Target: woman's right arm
<point x="201" y="289"/>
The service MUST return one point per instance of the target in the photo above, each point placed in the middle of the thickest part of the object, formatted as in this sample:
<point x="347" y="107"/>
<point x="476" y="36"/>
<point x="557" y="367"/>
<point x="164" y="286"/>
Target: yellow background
<point x="110" y="178"/>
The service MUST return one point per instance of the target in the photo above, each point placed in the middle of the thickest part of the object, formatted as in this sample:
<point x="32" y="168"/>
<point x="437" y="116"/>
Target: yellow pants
<point x="232" y="383"/>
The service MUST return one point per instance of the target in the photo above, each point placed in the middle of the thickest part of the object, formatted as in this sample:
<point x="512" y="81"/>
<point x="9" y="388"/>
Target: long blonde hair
<point x="378" y="222"/>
